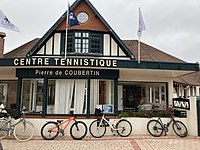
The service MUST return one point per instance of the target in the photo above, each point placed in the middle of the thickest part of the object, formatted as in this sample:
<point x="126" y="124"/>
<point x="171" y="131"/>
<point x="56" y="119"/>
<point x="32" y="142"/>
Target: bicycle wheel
<point x="155" y="128"/>
<point x="96" y="129"/>
<point x="78" y="130"/>
<point x="180" y="129"/>
<point x="50" y="130"/>
<point x="23" y="131"/>
<point x="124" y="128"/>
<point x="3" y="128"/>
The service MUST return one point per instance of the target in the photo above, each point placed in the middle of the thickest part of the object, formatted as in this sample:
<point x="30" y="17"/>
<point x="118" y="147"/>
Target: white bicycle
<point x="22" y="130"/>
<point x="98" y="127"/>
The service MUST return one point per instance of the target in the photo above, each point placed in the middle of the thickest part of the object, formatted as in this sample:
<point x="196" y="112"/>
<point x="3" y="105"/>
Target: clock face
<point x="82" y="17"/>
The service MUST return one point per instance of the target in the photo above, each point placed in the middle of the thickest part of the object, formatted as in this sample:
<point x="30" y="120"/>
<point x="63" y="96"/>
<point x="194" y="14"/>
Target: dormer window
<point x="82" y="42"/>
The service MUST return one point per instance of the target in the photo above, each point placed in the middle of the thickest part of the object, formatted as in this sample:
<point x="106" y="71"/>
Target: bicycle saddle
<point x="59" y="121"/>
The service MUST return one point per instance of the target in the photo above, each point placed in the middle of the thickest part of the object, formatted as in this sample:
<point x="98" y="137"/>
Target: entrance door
<point x="101" y="92"/>
<point x="3" y="93"/>
<point x="120" y="97"/>
<point x="132" y="96"/>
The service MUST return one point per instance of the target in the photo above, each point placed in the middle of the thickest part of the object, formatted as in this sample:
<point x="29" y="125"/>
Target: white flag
<point x="142" y="26"/>
<point x="5" y="23"/>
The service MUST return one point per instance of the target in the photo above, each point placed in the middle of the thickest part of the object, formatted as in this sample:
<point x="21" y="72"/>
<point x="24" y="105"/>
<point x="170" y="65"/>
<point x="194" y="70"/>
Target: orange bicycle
<point x="51" y="129"/>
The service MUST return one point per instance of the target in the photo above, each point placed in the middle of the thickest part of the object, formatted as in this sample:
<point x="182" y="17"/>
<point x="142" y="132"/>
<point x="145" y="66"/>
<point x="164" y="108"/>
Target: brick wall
<point x="93" y="23"/>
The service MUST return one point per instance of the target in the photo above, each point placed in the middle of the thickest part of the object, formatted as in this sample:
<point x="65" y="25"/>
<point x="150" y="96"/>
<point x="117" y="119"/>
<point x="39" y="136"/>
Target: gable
<point x="93" y="23"/>
<point x="101" y="41"/>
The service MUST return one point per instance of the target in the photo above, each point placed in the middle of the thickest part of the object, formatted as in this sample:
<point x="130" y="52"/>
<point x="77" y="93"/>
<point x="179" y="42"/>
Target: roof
<point x="22" y="50"/>
<point x="149" y="53"/>
<point x="189" y="79"/>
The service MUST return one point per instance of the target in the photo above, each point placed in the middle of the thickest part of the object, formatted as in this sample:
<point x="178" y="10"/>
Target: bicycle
<point x="98" y="127"/>
<point x="50" y="130"/>
<point x="157" y="127"/>
<point x="22" y="130"/>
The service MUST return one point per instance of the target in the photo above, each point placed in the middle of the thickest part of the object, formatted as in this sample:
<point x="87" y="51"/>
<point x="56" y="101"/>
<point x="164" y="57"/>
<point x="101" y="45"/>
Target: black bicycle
<point x="156" y="127"/>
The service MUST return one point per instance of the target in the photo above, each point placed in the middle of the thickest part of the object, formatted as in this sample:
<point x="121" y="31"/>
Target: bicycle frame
<point x="67" y="122"/>
<point x="168" y="123"/>
<point x="8" y="126"/>
<point x="108" y="122"/>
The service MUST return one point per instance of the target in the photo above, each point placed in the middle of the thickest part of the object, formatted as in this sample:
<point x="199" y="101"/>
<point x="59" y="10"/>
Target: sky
<point x="172" y="26"/>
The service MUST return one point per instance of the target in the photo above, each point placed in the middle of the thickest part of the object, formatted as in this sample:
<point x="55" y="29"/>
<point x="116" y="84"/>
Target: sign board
<point x="106" y="108"/>
<point x="66" y="73"/>
<point x="181" y="103"/>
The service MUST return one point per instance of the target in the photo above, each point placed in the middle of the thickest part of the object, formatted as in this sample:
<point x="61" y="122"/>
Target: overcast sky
<point x="172" y="26"/>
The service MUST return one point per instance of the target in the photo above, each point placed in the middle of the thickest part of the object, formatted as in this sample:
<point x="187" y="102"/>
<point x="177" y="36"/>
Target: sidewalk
<point x="106" y="143"/>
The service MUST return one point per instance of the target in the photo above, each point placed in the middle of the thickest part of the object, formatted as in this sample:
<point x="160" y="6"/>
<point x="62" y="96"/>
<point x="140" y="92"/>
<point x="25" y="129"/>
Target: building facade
<point x="98" y="69"/>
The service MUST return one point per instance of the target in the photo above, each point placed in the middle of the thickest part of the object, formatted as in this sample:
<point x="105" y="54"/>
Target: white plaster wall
<point x="41" y="51"/>
<point x="57" y="38"/>
<point x="170" y="91"/>
<point x="139" y="125"/>
<point x="49" y="46"/>
<point x="197" y="91"/>
<point x="106" y="45"/>
<point x="113" y="48"/>
<point x="192" y="117"/>
<point x="121" y="53"/>
<point x="8" y="74"/>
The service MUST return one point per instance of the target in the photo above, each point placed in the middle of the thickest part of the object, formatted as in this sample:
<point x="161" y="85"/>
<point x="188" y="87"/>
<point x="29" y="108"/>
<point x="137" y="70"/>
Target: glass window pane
<point x="32" y="95"/>
<point x="77" y="34"/>
<point x="102" y="95"/>
<point x="150" y="93"/>
<point x="8" y="94"/>
<point x="67" y="95"/>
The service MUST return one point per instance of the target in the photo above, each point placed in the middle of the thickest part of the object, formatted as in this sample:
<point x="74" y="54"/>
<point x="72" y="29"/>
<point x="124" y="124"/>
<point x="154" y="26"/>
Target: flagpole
<point x="139" y="35"/>
<point x="66" y="32"/>
<point x="139" y="50"/>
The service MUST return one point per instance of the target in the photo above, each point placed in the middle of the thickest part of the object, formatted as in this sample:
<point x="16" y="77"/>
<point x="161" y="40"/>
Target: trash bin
<point x="180" y="113"/>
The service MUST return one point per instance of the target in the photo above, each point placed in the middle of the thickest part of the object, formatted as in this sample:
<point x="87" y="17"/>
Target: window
<point x="67" y="95"/>
<point x="150" y="93"/>
<point x="82" y="17"/>
<point x="95" y="43"/>
<point x="32" y="95"/>
<point x="8" y="93"/>
<point x="101" y="95"/>
<point x="82" y="42"/>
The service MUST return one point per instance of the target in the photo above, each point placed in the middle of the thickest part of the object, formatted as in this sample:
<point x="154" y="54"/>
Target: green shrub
<point x="146" y="113"/>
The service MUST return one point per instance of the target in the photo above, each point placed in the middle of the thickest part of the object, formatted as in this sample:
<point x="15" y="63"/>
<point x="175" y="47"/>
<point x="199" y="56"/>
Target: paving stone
<point x="106" y="143"/>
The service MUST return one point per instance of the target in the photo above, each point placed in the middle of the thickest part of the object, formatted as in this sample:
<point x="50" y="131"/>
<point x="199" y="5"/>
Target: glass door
<point x="3" y="93"/>
<point x="32" y="94"/>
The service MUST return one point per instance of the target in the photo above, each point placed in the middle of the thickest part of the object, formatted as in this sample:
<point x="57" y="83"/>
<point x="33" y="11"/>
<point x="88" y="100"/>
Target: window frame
<point x="91" y="49"/>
